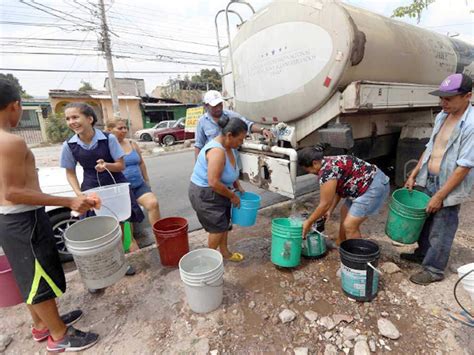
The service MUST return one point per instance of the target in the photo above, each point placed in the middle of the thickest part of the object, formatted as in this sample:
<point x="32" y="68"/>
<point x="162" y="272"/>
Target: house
<point x="182" y="90"/>
<point x="128" y="86"/>
<point x="160" y="109"/>
<point x="101" y="102"/>
<point x="32" y="124"/>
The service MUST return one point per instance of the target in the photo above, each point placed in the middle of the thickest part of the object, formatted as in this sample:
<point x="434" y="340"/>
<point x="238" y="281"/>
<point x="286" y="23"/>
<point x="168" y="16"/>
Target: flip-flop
<point x="236" y="257"/>
<point x="462" y="317"/>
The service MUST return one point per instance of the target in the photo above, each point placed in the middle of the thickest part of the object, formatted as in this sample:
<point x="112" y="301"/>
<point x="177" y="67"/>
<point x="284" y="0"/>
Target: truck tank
<point x="292" y="56"/>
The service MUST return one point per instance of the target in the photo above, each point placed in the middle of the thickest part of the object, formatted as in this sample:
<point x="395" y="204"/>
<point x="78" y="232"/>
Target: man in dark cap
<point x="444" y="171"/>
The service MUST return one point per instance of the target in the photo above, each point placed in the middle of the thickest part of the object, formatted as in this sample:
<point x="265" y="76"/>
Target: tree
<point x="86" y="86"/>
<point x="15" y="81"/>
<point x="210" y="77"/>
<point x="414" y="9"/>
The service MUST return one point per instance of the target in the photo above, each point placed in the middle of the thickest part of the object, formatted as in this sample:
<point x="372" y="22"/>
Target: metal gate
<point x="29" y="128"/>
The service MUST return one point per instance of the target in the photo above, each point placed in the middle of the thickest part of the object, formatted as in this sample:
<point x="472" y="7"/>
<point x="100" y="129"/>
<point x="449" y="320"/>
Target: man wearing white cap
<point x="444" y="171"/>
<point x="207" y="128"/>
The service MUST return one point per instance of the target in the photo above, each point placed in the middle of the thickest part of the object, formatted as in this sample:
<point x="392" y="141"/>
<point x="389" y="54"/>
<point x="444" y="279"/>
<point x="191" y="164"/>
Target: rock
<point x="348" y="344"/>
<point x="338" y="318"/>
<point x="222" y="332"/>
<point x="187" y="144"/>
<point x="361" y="348"/>
<point x="372" y="345"/>
<point x="288" y="299"/>
<point x="361" y="337"/>
<point x="311" y="316"/>
<point x="349" y="334"/>
<point x="327" y="335"/>
<point x="235" y="311"/>
<point x="282" y="284"/>
<point x="301" y="351"/>
<point x="388" y="329"/>
<point x="298" y="275"/>
<point x="287" y="316"/>
<point x="327" y="322"/>
<point x="308" y="296"/>
<point x="330" y="350"/>
<point x="346" y="350"/>
<point x="202" y="346"/>
<point x="214" y="352"/>
<point x="384" y="314"/>
<point x="390" y="268"/>
<point x="275" y="320"/>
<point x="252" y="305"/>
<point x="5" y="340"/>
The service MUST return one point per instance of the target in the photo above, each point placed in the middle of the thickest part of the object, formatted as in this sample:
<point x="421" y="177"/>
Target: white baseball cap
<point x="213" y="98"/>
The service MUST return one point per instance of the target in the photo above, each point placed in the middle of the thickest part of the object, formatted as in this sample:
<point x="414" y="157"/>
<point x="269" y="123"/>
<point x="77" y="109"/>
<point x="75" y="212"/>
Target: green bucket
<point x="412" y="201"/>
<point x="403" y="228"/>
<point x="314" y="246"/>
<point x="286" y="243"/>
<point x="397" y="207"/>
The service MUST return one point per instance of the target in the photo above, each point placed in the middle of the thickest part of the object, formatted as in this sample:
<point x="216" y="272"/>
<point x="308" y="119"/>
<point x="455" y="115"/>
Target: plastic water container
<point x="171" y="235"/>
<point x="246" y="215"/>
<point x="10" y="294"/>
<point x="468" y="281"/>
<point x="96" y="245"/>
<point x="287" y="238"/>
<point x="359" y="258"/>
<point x="202" y="272"/>
<point x="115" y="201"/>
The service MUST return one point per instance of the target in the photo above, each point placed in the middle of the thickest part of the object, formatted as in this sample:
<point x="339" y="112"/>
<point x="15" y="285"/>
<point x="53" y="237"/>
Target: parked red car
<point x="174" y="134"/>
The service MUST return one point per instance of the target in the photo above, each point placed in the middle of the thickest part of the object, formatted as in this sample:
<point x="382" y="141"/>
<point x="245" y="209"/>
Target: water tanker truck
<point x="319" y="71"/>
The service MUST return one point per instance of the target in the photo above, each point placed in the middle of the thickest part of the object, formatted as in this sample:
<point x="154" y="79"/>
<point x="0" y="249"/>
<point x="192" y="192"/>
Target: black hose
<point x="456" y="297"/>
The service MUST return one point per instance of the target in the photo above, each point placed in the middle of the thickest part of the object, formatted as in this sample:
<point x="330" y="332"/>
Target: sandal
<point x="236" y="257"/>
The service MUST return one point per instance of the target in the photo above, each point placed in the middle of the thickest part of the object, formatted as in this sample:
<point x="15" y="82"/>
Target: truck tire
<point x="60" y="222"/>
<point x="168" y="140"/>
<point x="410" y="146"/>
<point x="146" y="137"/>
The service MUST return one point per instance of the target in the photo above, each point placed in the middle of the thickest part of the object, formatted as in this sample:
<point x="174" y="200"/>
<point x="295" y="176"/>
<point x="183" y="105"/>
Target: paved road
<point x="170" y="174"/>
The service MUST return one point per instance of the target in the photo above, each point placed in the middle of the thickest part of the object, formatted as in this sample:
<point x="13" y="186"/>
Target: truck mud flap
<point x="267" y="172"/>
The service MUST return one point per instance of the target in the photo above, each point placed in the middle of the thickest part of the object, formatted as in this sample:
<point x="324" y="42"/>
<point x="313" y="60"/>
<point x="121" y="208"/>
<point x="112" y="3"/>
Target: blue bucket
<point x="246" y="215"/>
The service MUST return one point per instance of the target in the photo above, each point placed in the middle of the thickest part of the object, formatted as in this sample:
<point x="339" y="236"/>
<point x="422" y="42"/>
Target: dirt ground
<point x="148" y="313"/>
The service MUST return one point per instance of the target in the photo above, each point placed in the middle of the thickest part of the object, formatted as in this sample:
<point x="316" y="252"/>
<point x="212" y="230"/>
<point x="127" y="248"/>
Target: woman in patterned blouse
<point x="363" y="186"/>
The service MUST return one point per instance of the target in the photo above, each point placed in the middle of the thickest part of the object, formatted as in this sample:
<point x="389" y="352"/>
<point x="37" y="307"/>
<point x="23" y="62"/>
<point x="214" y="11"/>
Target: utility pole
<point x="105" y="45"/>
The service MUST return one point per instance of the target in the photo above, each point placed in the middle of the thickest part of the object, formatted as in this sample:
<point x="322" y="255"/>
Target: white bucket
<point x="468" y="281"/>
<point x="96" y="245"/>
<point x="202" y="272"/>
<point x="115" y="201"/>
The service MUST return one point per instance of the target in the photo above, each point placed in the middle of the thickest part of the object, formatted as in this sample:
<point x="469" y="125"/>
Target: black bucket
<point x="359" y="280"/>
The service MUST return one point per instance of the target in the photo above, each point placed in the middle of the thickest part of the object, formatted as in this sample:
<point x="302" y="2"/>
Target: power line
<point x="97" y="71"/>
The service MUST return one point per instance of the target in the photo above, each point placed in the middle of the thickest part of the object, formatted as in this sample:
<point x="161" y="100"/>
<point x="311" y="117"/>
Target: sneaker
<point x="68" y="319"/>
<point x="412" y="257"/>
<point x="425" y="278"/>
<point x="130" y="271"/>
<point x="73" y="340"/>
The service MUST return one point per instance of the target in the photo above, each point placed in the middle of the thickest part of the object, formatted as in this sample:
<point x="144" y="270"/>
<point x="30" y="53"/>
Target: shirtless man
<point x="444" y="170"/>
<point x="26" y="235"/>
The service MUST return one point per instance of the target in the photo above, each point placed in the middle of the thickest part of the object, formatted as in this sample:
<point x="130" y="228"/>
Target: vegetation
<point x="15" y="80"/>
<point x="56" y="128"/>
<point x="85" y="86"/>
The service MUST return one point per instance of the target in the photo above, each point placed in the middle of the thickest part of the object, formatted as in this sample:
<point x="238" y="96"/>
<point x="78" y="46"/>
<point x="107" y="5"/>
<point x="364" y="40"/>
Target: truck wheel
<point x="60" y="222"/>
<point x="146" y="137"/>
<point x="411" y="145"/>
<point x="168" y="140"/>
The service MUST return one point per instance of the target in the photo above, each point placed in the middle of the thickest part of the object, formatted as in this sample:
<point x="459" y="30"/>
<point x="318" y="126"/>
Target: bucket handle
<point x="375" y="269"/>
<point x="111" y="175"/>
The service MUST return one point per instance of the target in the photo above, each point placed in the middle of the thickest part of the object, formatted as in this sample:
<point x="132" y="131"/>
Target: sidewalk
<point x="148" y="313"/>
<point x="48" y="156"/>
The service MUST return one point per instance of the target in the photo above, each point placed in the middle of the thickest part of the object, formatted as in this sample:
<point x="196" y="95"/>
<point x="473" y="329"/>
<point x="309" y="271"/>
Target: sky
<point x="165" y="38"/>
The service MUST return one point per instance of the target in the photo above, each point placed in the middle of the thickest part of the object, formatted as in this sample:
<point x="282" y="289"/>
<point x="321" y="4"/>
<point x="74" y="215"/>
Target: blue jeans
<point x="438" y="233"/>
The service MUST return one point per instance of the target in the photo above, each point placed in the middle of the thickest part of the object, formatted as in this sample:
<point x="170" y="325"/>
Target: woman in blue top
<point x="135" y="170"/>
<point x="214" y="179"/>
<point x="96" y="152"/>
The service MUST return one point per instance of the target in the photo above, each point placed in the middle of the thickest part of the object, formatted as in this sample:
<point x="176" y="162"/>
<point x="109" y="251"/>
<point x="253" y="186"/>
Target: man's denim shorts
<point x="372" y="200"/>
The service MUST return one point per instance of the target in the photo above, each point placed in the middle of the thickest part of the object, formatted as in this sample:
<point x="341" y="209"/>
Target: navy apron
<point x="88" y="160"/>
